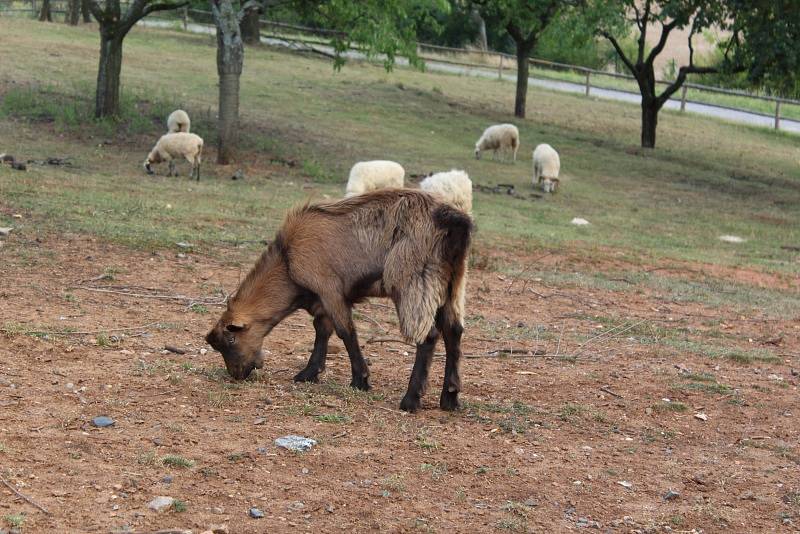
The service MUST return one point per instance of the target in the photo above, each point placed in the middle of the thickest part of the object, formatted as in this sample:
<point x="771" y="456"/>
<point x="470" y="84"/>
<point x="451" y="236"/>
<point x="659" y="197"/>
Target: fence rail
<point x="474" y="59"/>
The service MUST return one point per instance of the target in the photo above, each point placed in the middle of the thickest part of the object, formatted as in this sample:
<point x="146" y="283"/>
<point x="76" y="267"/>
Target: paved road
<point x="732" y="115"/>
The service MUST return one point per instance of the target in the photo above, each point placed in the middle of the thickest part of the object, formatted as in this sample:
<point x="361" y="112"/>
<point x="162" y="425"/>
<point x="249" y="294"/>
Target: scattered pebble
<point x="775" y="377"/>
<point x="102" y="421"/>
<point x="732" y="239"/>
<point x="671" y="494"/>
<point x="255" y="513"/>
<point x="297" y="505"/>
<point x="167" y="479"/>
<point x="295" y="443"/>
<point x="203" y="352"/>
<point x="5" y="230"/>
<point x="748" y="496"/>
<point x="161" y="503"/>
<point x="701" y="416"/>
<point x="578" y="221"/>
<point x="625" y="484"/>
<point x="183" y="244"/>
<point x="216" y="529"/>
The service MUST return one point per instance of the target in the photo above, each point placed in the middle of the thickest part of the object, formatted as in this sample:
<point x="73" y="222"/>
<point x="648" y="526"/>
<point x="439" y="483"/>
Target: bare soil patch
<point x="542" y="444"/>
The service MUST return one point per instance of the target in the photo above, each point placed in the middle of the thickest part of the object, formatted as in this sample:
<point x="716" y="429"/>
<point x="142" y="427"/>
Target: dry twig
<point x="23" y="496"/>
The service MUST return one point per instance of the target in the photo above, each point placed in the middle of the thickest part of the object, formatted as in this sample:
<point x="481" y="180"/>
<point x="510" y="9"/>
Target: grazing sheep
<point x="498" y="137"/>
<point x="366" y="176"/>
<point x="177" y="145"/>
<point x="403" y="244"/>
<point x="178" y="121"/>
<point x="454" y="187"/>
<point x="546" y="166"/>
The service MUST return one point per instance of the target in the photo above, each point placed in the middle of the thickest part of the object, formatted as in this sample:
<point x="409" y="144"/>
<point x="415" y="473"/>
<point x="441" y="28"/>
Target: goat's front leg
<point x="316" y="363"/>
<point x="341" y="316"/>
<point x="419" y="374"/>
<point x="451" y="332"/>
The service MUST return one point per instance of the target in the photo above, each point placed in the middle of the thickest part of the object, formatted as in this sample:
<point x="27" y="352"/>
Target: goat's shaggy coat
<point x="398" y="243"/>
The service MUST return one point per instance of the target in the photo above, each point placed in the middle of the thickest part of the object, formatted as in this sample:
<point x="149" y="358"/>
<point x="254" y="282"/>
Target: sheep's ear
<point x="235" y="327"/>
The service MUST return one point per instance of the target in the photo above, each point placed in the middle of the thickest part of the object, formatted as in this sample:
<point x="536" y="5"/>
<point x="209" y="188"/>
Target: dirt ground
<point x="576" y="436"/>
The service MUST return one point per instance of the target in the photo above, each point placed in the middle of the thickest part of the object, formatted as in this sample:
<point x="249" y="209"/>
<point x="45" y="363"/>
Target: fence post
<point x="500" y="68"/>
<point x="683" y="98"/>
<point x="777" y="114"/>
<point x="588" y="83"/>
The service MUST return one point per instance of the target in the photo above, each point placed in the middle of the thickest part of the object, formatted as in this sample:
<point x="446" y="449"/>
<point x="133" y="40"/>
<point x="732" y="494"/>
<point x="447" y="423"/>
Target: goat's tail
<point x="455" y="250"/>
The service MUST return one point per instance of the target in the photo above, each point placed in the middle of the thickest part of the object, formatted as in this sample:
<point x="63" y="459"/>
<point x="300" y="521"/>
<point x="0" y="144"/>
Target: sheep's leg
<point x="418" y="382"/>
<point x="316" y="363"/>
<point x="342" y="317"/>
<point x="451" y="332"/>
<point x="172" y="171"/>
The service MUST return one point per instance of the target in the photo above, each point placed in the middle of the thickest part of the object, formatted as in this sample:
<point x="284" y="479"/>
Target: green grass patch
<point x="671" y="406"/>
<point x="14" y="520"/>
<point x="174" y="460"/>
<point x="333" y="418"/>
<point x="179" y="505"/>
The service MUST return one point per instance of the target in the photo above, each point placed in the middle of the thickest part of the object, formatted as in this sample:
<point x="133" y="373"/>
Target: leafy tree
<point x="114" y="26"/>
<point x="766" y="34"/>
<point x="380" y="27"/>
<point x="524" y="21"/>
<point x="663" y="16"/>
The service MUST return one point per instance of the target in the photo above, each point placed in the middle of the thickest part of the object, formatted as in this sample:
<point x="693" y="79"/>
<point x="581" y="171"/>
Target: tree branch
<point x="662" y="41"/>
<point x="164" y="6"/>
<point x="98" y="13"/>
<point x="620" y="53"/>
<point x="643" y="32"/>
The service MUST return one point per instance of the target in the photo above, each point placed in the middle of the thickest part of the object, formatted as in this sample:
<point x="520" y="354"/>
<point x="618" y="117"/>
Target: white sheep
<point x="177" y="145"/>
<point x="454" y="187"/>
<point x="178" y="121"/>
<point x="546" y="166"/>
<point x="368" y="176"/>
<point x="498" y="137"/>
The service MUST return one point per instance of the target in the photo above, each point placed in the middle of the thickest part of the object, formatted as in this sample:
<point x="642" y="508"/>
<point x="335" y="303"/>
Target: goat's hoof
<point x="449" y="401"/>
<point x="307" y="375"/>
<point x="410" y="403"/>
<point x="360" y="382"/>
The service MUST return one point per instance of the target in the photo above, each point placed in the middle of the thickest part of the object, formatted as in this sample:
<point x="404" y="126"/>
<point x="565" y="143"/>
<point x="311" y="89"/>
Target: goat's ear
<point x="235" y="327"/>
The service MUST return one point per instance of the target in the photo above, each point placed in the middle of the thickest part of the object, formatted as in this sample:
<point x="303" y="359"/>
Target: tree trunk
<point x="650" y="110"/>
<point x="108" y="75"/>
<point x="523" y="53"/>
<point x="230" y="60"/>
<point x="251" y="27"/>
<point x="87" y="15"/>
<point x="45" y="15"/>
<point x="482" y="43"/>
<point x="73" y="12"/>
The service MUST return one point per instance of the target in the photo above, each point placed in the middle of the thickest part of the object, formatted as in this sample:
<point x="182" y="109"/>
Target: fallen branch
<point x="76" y="333"/>
<point x="517" y="350"/>
<point x="605" y="389"/>
<point x="174" y="349"/>
<point x="181" y="298"/>
<point x="372" y="340"/>
<point x="23" y="496"/>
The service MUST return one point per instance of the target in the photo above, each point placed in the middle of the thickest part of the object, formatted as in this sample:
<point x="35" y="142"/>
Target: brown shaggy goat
<point x="396" y="243"/>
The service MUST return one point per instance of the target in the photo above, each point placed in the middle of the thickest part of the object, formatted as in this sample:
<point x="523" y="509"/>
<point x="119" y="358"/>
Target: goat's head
<point x="239" y="343"/>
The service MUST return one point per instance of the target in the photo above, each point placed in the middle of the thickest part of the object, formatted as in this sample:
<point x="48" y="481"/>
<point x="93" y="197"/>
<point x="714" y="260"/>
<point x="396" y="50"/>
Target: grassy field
<point x="705" y="179"/>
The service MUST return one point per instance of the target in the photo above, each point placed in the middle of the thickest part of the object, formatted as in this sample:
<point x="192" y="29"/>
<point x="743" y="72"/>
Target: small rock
<point x="304" y="470"/>
<point x="701" y="416"/>
<point x="217" y="510"/>
<point x="777" y="378"/>
<point x="671" y="494"/>
<point x="262" y="450"/>
<point x="159" y="504"/>
<point x="203" y="352"/>
<point x="238" y="175"/>
<point x="297" y="505"/>
<point x="183" y="244"/>
<point x="795" y="372"/>
<point x="295" y="443"/>
<point x="625" y="484"/>
<point x="329" y="508"/>
<point x="102" y="421"/>
<point x="255" y="513"/>
<point x="259" y="420"/>
<point x="578" y="221"/>
<point x="167" y="479"/>
<point x="69" y="385"/>
<point x="5" y="230"/>
<point x="732" y="239"/>
<point x="748" y="496"/>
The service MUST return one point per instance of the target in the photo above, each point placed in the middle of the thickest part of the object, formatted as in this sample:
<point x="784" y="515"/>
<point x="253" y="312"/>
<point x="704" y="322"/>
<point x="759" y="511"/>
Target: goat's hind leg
<point x="451" y="332"/>
<point x="419" y="374"/>
<point x="316" y="363"/>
